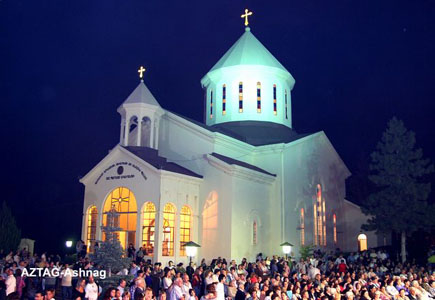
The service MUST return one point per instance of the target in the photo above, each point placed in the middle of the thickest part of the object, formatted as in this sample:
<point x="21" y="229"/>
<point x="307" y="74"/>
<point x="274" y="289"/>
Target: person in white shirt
<point x="11" y="282"/>
<point x="175" y="291"/>
<point x="66" y="284"/>
<point x="220" y="290"/>
<point x="91" y="289"/>
<point x="134" y="268"/>
<point x="122" y="285"/>
<point x="313" y="271"/>
<point x="167" y="280"/>
<point x="391" y="289"/>
<point x="186" y="286"/>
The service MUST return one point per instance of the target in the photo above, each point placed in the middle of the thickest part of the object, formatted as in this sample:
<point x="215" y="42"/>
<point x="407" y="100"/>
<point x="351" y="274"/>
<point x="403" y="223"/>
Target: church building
<point x="241" y="183"/>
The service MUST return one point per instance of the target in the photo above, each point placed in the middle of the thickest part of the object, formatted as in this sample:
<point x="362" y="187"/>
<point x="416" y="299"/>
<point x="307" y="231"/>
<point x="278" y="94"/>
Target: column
<point x="126" y="132"/>
<point x="121" y="131"/>
<point x="139" y="131"/>
<point x="152" y="133"/>
<point x="156" y="143"/>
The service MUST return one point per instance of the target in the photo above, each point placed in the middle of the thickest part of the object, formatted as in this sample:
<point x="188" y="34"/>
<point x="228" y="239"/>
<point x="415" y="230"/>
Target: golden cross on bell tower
<point x="246" y="15"/>
<point x="141" y="71"/>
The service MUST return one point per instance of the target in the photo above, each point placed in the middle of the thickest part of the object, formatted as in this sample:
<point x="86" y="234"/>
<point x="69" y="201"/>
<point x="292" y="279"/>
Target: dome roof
<point x="248" y="50"/>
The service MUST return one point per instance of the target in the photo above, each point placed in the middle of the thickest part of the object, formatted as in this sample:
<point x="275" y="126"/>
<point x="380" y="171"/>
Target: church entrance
<point x="123" y="201"/>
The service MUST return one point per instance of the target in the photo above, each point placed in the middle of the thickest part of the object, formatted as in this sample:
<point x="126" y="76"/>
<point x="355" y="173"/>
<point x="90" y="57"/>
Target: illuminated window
<point x="315" y="225"/>
<point x="185" y="228"/>
<point x="92" y="227"/>
<point x="274" y="99"/>
<point x="334" y="219"/>
<point x="319" y="218"/>
<point x="224" y="99"/>
<point x="240" y="97"/>
<point x="149" y="227"/>
<point x="254" y="233"/>
<point x="302" y="221"/>
<point x="285" y="96"/>
<point x="324" y="223"/>
<point x="211" y="104"/>
<point x="362" y="242"/>
<point x="123" y="201"/>
<point x="259" y="97"/>
<point x="168" y="230"/>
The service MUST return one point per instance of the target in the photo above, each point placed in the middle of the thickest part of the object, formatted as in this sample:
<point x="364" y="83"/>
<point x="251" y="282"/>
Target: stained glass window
<point x="211" y="104"/>
<point x="149" y="228"/>
<point x="123" y="201"/>
<point x="168" y="230"/>
<point x="240" y="97"/>
<point x="224" y="99"/>
<point x="319" y="218"/>
<point x="274" y="100"/>
<point x="302" y="224"/>
<point x="334" y="219"/>
<point x="286" y="109"/>
<point x="185" y="228"/>
<point x="254" y="233"/>
<point x="92" y="227"/>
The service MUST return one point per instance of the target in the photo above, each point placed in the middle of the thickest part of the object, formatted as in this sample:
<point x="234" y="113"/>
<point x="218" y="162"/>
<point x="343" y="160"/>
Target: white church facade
<point x="242" y="183"/>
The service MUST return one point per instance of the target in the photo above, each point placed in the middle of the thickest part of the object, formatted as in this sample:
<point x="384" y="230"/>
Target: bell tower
<point x="140" y="117"/>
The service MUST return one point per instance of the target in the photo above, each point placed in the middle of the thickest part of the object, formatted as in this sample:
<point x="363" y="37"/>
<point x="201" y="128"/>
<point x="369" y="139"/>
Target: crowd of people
<point x="367" y="275"/>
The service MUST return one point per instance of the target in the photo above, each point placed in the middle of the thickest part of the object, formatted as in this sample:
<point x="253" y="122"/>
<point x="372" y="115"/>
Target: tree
<point x="10" y="235"/>
<point x="399" y="202"/>
<point x="306" y="251"/>
<point x="110" y="255"/>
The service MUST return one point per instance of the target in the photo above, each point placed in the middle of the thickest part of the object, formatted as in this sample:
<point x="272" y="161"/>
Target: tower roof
<point x="248" y="50"/>
<point x="141" y="95"/>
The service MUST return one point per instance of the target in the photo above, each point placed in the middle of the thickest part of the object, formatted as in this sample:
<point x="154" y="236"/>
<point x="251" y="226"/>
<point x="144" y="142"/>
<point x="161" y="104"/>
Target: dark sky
<point x="67" y="65"/>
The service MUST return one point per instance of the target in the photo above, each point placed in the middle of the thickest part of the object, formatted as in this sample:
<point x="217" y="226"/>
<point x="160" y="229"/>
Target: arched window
<point x="211" y="104"/>
<point x="302" y="224"/>
<point x="240" y="97"/>
<point x="324" y="222"/>
<point x="254" y="233"/>
<point x="334" y="220"/>
<point x="274" y="100"/>
<point x="168" y="230"/>
<point x="224" y="99"/>
<point x="149" y="228"/>
<point x="259" y="97"/>
<point x="133" y="123"/>
<point x="362" y="242"/>
<point x="92" y="227"/>
<point x="319" y="219"/>
<point x="122" y="201"/>
<point x="185" y="228"/>
<point x="285" y="103"/>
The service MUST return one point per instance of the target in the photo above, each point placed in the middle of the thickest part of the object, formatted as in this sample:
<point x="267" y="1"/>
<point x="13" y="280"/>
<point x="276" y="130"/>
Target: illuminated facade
<point x="242" y="183"/>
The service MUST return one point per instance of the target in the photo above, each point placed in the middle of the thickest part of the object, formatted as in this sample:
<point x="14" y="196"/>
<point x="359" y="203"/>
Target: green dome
<point x="248" y="50"/>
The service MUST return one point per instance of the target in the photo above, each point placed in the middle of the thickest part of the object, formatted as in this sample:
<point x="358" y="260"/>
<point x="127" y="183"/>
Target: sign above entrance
<point x="121" y="170"/>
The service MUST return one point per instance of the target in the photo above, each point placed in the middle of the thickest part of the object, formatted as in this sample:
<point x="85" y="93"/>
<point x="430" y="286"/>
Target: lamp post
<point x="191" y="249"/>
<point x="286" y="248"/>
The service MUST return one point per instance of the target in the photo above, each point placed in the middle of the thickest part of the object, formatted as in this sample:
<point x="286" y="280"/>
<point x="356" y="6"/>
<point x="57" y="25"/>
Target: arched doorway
<point x="362" y="242"/>
<point x="123" y="201"/>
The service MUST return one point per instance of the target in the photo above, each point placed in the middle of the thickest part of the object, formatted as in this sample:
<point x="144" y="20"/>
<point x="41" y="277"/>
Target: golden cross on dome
<point x="246" y="15"/>
<point x="141" y="71"/>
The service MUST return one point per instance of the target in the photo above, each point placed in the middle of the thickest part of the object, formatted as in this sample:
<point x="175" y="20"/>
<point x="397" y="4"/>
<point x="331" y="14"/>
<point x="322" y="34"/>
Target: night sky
<point x="67" y="65"/>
